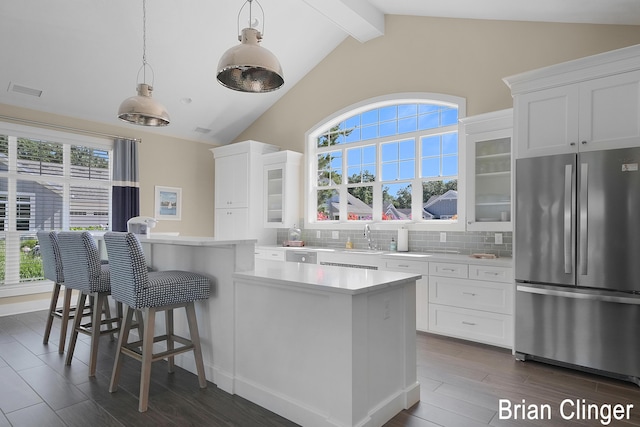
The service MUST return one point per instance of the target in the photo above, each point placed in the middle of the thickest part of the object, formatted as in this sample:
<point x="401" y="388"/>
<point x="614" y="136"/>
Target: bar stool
<point x="52" y="266"/>
<point x="150" y="292"/>
<point x="84" y="272"/>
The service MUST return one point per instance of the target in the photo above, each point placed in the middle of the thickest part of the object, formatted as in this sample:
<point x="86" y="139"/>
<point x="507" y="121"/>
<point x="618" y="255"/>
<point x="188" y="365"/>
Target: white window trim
<point x="312" y="135"/>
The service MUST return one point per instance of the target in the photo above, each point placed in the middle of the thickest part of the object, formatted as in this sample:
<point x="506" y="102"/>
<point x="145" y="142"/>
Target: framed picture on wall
<point x="168" y="203"/>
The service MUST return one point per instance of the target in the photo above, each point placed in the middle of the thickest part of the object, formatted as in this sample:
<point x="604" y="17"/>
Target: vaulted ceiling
<point x="84" y="55"/>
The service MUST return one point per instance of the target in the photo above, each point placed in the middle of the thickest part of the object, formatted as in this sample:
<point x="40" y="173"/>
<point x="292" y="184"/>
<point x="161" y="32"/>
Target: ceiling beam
<point x="358" y="18"/>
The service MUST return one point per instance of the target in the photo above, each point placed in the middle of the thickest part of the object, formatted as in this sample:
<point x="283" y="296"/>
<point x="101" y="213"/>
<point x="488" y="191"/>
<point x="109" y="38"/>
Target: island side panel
<point x="215" y="315"/>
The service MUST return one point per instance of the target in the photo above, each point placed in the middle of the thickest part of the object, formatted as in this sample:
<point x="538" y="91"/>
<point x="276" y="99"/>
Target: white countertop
<point x="325" y="278"/>
<point x="185" y="240"/>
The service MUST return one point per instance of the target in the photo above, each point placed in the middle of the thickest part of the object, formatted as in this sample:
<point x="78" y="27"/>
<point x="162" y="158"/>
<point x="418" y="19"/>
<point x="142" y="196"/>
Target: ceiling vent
<point x="202" y="130"/>
<point x="24" y="90"/>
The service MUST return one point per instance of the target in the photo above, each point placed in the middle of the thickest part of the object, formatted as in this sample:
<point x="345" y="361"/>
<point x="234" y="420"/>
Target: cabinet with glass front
<point x="489" y="165"/>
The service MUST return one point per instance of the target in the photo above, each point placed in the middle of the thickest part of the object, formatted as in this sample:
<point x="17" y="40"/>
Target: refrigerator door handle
<point x="568" y="173"/>
<point x="586" y="295"/>
<point x="584" y="205"/>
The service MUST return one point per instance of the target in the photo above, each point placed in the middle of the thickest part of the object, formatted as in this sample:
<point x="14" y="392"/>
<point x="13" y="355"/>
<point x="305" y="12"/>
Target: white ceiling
<point x="84" y="54"/>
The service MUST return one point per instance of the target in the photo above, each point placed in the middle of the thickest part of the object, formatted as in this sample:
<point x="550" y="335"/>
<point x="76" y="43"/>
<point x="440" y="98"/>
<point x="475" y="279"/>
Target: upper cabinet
<point x="488" y="140"/>
<point x="588" y="104"/>
<point x="281" y="189"/>
<point x="239" y="191"/>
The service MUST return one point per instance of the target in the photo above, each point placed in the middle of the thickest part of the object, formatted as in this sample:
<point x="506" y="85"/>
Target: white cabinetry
<point x="238" y="191"/>
<point x="488" y="139"/>
<point x="422" y="286"/>
<point x="472" y="302"/>
<point x="281" y="189"/>
<point x="591" y="103"/>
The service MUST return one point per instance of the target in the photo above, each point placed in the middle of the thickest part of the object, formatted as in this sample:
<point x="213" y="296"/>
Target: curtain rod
<point x="67" y="128"/>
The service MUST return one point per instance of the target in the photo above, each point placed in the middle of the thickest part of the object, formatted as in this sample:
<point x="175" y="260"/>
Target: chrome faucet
<point x="367" y="234"/>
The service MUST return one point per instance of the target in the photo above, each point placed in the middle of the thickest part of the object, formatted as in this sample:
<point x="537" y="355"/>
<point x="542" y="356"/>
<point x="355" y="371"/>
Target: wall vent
<point x="25" y="90"/>
<point x="202" y="130"/>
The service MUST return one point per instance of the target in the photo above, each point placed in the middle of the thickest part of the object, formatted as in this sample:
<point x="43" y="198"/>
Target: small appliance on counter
<point x="295" y="235"/>
<point x="141" y="225"/>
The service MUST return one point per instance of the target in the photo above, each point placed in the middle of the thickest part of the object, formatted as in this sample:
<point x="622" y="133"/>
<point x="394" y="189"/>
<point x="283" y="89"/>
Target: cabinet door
<point x="489" y="185"/>
<point x="274" y="193"/>
<point x="610" y="112"/>
<point x="547" y="122"/>
<point x="232" y="181"/>
<point x="232" y="224"/>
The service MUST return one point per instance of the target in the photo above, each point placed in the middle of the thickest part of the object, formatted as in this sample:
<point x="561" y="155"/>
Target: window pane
<point x="406" y="150"/>
<point x="450" y="143"/>
<point x="360" y="203"/>
<point x="88" y="208"/>
<point x="428" y="121"/>
<point x="431" y="146"/>
<point x="361" y="162"/>
<point x="39" y="157"/>
<point x="369" y="132"/>
<point x="450" y="166"/>
<point x="407" y="169"/>
<point x="406" y="110"/>
<point x="328" y="205"/>
<point x="409" y="124"/>
<point x="353" y="122"/>
<point x="388" y="128"/>
<point x="396" y="202"/>
<point x="430" y="167"/>
<point x="388" y="113"/>
<point x="449" y="116"/>
<point x="370" y="117"/>
<point x="4" y="151"/>
<point x="30" y="261"/>
<point x="440" y="200"/>
<point x="389" y="152"/>
<point x="330" y="168"/>
<point x="389" y="171"/>
<point x="89" y="163"/>
<point x="39" y="205"/>
<point x="353" y="135"/>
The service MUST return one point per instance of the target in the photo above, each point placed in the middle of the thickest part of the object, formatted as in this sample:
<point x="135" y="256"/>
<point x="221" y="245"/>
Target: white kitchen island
<point x="326" y="346"/>
<point x="319" y="345"/>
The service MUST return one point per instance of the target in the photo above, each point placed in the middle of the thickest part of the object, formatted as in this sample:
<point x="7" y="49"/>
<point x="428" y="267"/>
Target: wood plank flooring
<point x="461" y="384"/>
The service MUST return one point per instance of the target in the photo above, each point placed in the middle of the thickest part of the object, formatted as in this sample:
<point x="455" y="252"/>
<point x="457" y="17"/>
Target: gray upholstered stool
<point x="149" y="292"/>
<point x="52" y="266"/>
<point x="84" y="272"/>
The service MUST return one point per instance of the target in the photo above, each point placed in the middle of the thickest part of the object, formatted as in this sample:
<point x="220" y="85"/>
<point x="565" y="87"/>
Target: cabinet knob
<point x="584" y="142"/>
<point x="572" y="143"/>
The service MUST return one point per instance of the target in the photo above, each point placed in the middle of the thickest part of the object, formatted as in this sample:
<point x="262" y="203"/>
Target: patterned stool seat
<point x="148" y="292"/>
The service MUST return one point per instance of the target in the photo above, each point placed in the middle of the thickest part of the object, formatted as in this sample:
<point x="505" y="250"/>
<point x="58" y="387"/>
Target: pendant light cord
<point x="144" y="41"/>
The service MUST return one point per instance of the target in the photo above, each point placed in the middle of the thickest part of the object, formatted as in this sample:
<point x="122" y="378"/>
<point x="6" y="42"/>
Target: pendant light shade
<point x="249" y="67"/>
<point x="142" y="109"/>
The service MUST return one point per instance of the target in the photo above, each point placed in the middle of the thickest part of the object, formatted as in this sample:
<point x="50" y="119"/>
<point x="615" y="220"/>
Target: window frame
<point x="11" y="234"/>
<point x="311" y="161"/>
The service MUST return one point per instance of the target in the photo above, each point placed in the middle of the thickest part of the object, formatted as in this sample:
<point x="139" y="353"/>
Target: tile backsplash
<point x="458" y="242"/>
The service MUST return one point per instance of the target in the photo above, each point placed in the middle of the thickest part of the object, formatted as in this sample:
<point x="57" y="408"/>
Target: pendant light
<point x="249" y="67"/>
<point x="142" y="109"/>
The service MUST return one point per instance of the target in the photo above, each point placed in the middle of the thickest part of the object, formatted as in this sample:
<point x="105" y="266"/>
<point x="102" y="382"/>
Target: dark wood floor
<point x="461" y="384"/>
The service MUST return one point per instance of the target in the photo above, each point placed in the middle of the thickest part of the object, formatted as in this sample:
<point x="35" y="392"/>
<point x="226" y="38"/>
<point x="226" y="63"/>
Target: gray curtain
<point x="126" y="188"/>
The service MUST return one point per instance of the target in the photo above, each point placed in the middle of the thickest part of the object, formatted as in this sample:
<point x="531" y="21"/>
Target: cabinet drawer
<point x="477" y="295"/>
<point x="270" y="254"/>
<point x="447" y="269"/>
<point x="407" y="265"/>
<point x="489" y="328"/>
<point x="491" y="273"/>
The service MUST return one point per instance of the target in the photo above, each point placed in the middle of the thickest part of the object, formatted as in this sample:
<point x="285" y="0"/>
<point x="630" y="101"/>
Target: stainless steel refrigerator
<point x="577" y="260"/>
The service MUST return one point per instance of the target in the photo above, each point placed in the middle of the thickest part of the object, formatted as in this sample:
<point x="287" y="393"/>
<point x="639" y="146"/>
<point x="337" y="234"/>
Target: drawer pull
<point x="274" y="254"/>
<point x="403" y="265"/>
<point x="492" y="273"/>
<point x="450" y="270"/>
<point x="468" y="323"/>
<point x="469" y="293"/>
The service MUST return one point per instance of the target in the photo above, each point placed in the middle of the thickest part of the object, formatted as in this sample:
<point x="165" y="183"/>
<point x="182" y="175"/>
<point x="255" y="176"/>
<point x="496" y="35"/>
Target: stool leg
<point x="195" y="339"/>
<point x="169" y="328"/>
<point x="100" y="304"/>
<point x="66" y="309"/>
<point x="123" y="338"/>
<point x="52" y="310"/>
<point x="77" y="320"/>
<point x="147" y="357"/>
<point x="140" y="324"/>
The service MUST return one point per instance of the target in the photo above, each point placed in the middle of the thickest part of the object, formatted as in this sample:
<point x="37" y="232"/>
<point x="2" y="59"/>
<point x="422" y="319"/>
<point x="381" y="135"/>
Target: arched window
<point x="392" y="160"/>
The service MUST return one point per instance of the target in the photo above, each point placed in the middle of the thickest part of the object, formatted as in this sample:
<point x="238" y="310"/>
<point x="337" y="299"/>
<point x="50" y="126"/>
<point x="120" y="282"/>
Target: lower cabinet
<point x="467" y="307"/>
<point x="422" y="287"/>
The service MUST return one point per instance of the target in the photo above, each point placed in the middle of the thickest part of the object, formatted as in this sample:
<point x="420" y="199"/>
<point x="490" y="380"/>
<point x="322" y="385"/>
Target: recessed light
<point x="202" y="130"/>
<point x="186" y="101"/>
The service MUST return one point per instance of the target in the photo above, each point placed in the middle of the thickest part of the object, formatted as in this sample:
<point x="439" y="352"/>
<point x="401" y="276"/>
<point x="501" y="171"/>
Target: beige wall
<point x="163" y="161"/>
<point x="466" y="58"/>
